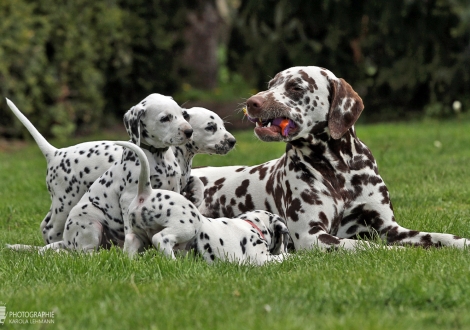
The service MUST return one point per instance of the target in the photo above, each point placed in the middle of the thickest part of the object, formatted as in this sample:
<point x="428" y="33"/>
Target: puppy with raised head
<point x="156" y="123"/>
<point x="166" y="219"/>
<point x="209" y="137"/>
<point x="72" y="170"/>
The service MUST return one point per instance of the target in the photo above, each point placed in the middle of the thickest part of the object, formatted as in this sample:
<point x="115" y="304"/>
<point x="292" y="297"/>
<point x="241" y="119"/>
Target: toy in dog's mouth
<point x="270" y="129"/>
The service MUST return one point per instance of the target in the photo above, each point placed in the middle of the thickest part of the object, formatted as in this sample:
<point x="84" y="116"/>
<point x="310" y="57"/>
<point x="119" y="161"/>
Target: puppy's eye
<point x="297" y="88"/>
<point x="165" y="119"/>
<point x="185" y="115"/>
<point x="211" y="128"/>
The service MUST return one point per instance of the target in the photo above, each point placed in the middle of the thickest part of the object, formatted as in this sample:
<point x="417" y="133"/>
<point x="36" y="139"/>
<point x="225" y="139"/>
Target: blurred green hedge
<point x="74" y="64"/>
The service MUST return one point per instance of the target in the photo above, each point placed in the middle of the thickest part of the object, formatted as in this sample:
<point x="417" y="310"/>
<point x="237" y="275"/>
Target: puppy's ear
<point x="345" y="108"/>
<point x="132" y="123"/>
<point x="281" y="235"/>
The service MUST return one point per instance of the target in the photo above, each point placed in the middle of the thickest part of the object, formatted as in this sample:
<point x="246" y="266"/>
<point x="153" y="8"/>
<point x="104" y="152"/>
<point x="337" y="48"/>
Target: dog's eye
<point x="185" y="115"/>
<point x="165" y="119"/>
<point x="211" y="128"/>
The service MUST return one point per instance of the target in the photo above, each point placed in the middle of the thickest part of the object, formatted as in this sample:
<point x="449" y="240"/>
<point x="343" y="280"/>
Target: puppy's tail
<point x="144" y="187"/>
<point x="46" y="148"/>
<point x="22" y="247"/>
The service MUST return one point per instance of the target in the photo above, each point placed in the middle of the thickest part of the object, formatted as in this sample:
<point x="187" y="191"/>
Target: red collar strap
<point x="256" y="227"/>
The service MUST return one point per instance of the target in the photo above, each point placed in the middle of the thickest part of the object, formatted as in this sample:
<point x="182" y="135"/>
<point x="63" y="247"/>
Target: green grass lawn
<point x="425" y="166"/>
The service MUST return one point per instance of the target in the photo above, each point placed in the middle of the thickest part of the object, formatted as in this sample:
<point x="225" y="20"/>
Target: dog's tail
<point x="46" y="148"/>
<point x="144" y="187"/>
<point x="23" y="247"/>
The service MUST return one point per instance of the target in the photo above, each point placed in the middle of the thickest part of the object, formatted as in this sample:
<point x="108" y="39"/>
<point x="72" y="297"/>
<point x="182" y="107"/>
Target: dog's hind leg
<point x="85" y="235"/>
<point x="403" y="236"/>
<point x="52" y="227"/>
<point x="164" y="241"/>
<point x="133" y="244"/>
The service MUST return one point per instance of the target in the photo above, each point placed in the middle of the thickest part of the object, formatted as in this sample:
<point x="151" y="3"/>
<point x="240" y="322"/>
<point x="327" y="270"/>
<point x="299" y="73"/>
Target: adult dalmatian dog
<point x="166" y="220"/>
<point x="327" y="184"/>
<point x="72" y="170"/>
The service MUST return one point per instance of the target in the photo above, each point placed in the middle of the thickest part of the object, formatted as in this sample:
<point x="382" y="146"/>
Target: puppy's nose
<point x="255" y="102"/>
<point x="188" y="132"/>
<point x="231" y="142"/>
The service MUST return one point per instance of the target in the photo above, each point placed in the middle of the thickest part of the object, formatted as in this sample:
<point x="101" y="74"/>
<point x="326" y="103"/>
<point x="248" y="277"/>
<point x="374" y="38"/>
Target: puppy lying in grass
<point x="167" y="220"/>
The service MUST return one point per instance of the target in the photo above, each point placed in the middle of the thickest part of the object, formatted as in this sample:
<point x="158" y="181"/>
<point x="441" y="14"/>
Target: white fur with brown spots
<point x="326" y="185"/>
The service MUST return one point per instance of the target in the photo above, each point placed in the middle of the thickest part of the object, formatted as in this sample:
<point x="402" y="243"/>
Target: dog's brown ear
<point x="132" y="123"/>
<point x="345" y="108"/>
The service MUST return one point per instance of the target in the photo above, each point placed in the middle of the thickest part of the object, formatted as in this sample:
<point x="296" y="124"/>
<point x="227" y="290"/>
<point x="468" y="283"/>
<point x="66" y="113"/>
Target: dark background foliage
<point x="78" y="65"/>
<point x="398" y="55"/>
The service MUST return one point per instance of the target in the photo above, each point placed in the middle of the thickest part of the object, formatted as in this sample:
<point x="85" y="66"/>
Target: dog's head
<point x="157" y="121"/>
<point x="273" y="227"/>
<point x="209" y="133"/>
<point x="304" y="101"/>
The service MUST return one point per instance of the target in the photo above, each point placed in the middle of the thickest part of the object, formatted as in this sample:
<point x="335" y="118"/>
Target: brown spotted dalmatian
<point x="166" y="220"/>
<point x="72" y="170"/>
<point x="327" y="184"/>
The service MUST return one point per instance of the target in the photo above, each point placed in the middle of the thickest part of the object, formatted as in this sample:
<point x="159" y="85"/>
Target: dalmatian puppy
<point x="326" y="185"/>
<point x="156" y="124"/>
<point x="209" y="137"/>
<point x="72" y="170"/>
<point x="252" y="237"/>
<point x="166" y="219"/>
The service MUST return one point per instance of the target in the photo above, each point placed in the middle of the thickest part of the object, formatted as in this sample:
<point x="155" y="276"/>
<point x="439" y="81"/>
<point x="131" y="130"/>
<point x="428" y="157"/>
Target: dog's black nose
<point x="188" y="132"/>
<point x="231" y="142"/>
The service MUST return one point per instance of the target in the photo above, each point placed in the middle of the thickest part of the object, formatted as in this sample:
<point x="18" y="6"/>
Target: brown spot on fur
<point x="242" y="189"/>
<point x="315" y="229"/>
<point x="278" y="79"/>
<point x="324" y="219"/>
<point x="366" y="218"/>
<point x="311" y="197"/>
<point x="312" y="85"/>
<point x="384" y="191"/>
<point x="294" y="209"/>
<point x="262" y="169"/>
<point x="394" y="236"/>
<point x="219" y="182"/>
<point x="328" y="239"/>
<point x="268" y="207"/>
<point x="248" y="205"/>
